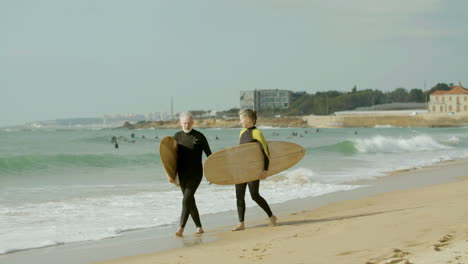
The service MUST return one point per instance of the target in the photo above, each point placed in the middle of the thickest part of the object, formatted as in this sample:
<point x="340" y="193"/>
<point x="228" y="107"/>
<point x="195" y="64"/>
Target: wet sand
<point x="403" y="223"/>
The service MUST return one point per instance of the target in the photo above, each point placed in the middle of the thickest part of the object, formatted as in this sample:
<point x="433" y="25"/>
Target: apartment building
<point x="265" y="99"/>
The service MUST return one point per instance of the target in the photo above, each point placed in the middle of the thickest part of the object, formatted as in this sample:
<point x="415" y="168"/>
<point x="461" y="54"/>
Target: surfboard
<point x="168" y="154"/>
<point x="244" y="163"/>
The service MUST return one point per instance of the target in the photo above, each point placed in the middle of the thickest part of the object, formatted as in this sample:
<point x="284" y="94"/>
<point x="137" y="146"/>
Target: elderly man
<point x="191" y="145"/>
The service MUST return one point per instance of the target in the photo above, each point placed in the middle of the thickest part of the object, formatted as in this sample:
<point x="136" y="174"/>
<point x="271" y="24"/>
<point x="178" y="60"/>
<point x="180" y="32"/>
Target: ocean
<point x="60" y="186"/>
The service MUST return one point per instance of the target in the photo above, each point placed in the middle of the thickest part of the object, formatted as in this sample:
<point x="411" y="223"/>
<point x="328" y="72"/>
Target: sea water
<point x="60" y="186"/>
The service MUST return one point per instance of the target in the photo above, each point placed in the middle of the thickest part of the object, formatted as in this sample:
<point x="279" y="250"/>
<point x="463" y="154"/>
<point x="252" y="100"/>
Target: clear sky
<point x="87" y="58"/>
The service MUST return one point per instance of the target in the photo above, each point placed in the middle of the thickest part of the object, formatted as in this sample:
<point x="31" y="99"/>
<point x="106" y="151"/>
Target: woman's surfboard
<point x="244" y="163"/>
<point x="168" y="154"/>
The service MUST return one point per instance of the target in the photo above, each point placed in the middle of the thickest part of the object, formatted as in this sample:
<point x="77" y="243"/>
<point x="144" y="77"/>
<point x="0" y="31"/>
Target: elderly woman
<point x="191" y="145"/>
<point x="248" y="134"/>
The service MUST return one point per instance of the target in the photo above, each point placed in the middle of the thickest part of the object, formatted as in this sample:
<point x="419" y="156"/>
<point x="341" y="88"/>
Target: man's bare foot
<point x="180" y="232"/>
<point x="200" y="230"/>
<point x="239" y="227"/>
<point x="273" y="219"/>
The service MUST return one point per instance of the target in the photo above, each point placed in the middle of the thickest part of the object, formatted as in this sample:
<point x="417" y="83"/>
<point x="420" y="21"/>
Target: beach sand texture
<point x="427" y="225"/>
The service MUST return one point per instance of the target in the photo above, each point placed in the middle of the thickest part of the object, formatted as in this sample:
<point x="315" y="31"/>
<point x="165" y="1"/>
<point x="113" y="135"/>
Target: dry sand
<point x="427" y="225"/>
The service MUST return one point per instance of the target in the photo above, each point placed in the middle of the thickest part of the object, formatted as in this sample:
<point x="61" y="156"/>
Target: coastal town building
<point x="454" y="100"/>
<point x="265" y="99"/>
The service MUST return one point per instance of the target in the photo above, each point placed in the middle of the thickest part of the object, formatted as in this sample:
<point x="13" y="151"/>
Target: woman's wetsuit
<point x="190" y="170"/>
<point x="248" y="135"/>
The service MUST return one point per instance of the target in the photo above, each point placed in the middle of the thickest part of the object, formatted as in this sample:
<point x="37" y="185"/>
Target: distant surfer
<point x="191" y="145"/>
<point x="114" y="141"/>
<point x="248" y="134"/>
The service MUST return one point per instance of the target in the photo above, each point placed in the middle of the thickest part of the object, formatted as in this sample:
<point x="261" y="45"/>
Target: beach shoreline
<point x="359" y="119"/>
<point x="406" y="225"/>
<point x="156" y="243"/>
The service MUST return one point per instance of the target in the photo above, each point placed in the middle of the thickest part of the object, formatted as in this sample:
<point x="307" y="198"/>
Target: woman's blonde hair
<point x="251" y="114"/>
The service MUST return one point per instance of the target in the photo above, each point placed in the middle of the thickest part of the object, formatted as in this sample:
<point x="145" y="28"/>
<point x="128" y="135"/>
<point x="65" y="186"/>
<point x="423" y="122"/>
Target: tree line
<point x="328" y="102"/>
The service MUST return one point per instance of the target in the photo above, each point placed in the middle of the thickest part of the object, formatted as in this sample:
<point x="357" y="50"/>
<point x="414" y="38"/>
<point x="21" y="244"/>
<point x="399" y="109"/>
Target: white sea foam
<point x="292" y="184"/>
<point x="53" y="222"/>
<point x="296" y="176"/>
<point x="76" y="203"/>
<point x="453" y="139"/>
<point x="384" y="144"/>
<point x="48" y="223"/>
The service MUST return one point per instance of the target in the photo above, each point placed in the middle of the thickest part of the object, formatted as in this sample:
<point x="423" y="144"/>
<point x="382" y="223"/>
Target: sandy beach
<point x="415" y="225"/>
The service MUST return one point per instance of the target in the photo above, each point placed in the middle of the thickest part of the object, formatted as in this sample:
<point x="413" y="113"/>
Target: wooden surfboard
<point x="168" y="154"/>
<point x="244" y="163"/>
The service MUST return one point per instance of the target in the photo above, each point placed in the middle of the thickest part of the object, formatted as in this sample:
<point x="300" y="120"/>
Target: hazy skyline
<point x="65" y="59"/>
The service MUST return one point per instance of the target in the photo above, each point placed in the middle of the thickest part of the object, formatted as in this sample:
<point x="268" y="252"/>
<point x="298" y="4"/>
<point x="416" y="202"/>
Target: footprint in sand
<point x="258" y="252"/>
<point x="397" y="257"/>
<point x="345" y="253"/>
<point x="443" y="242"/>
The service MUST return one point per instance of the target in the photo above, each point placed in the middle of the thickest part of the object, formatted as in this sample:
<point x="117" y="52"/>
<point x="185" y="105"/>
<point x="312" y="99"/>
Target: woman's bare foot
<point x="273" y="219"/>
<point x="180" y="232"/>
<point x="239" y="227"/>
<point x="200" y="230"/>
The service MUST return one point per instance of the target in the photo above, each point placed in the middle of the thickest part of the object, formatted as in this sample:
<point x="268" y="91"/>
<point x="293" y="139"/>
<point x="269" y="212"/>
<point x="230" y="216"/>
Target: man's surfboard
<point x="244" y="163"/>
<point x="168" y="154"/>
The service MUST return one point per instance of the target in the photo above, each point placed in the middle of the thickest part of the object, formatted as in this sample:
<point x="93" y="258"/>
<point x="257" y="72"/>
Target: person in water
<point x="248" y="134"/>
<point x="114" y="140"/>
<point x="191" y="145"/>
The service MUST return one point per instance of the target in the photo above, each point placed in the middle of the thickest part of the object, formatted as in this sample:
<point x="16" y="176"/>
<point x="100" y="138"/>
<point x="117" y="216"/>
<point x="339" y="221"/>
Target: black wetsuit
<point x="190" y="170"/>
<point x="247" y="136"/>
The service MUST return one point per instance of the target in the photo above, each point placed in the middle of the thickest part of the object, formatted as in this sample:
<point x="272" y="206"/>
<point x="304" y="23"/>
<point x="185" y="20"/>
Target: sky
<point x="88" y="58"/>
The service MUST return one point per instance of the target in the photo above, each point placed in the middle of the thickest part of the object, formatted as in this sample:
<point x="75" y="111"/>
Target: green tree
<point x="439" y="86"/>
<point x="398" y="95"/>
<point x="417" y="95"/>
<point x="319" y="105"/>
<point x="302" y="105"/>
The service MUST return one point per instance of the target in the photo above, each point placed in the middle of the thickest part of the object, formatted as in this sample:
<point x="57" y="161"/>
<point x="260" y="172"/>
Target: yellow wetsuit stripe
<point x="242" y="132"/>
<point x="257" y="134"/>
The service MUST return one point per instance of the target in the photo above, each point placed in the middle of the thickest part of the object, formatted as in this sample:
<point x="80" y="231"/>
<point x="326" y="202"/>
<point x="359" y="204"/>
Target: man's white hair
<point x="184" y="115"/>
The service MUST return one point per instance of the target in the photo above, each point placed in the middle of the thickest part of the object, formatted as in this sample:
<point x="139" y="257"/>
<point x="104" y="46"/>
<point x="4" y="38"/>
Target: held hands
<point x="264" y="174"/>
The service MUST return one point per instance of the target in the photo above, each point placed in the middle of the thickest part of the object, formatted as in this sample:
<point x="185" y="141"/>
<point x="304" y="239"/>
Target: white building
<point x="265" y="99"/>
<point x="455" y="100"/>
